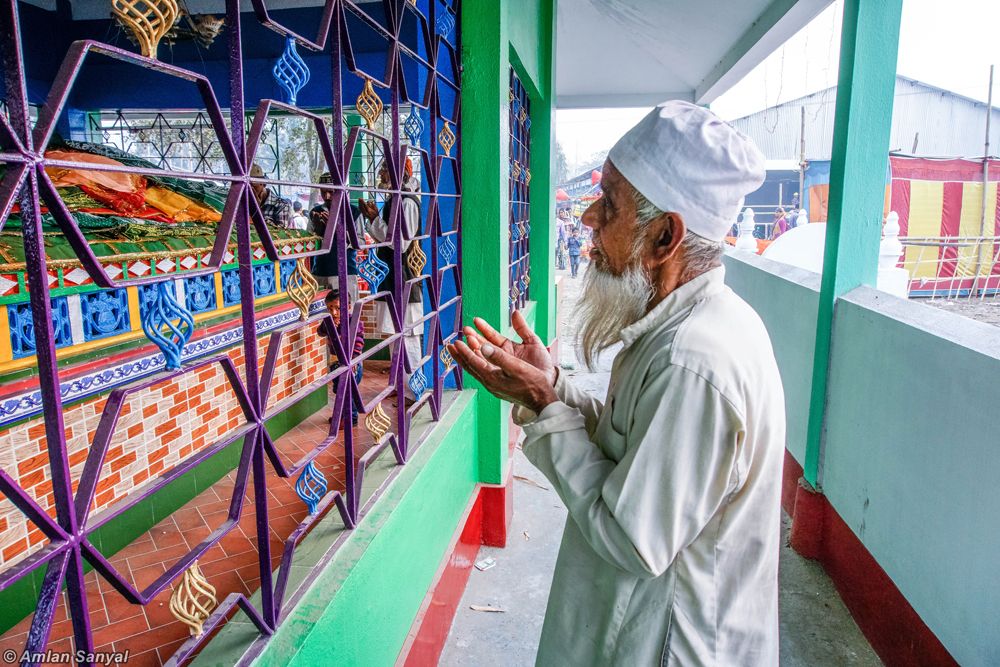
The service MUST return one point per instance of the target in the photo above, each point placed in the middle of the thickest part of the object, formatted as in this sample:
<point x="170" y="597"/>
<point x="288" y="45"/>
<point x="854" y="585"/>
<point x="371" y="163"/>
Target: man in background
<point x="276" y="211"/>
<point x="325" y="268"/>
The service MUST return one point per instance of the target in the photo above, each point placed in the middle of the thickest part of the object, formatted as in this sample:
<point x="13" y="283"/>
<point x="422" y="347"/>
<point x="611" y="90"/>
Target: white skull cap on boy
<point x="684" y="158"/>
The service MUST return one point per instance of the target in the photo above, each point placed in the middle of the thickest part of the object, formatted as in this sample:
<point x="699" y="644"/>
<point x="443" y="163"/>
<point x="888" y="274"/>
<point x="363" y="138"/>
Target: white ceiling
<point x="621" y="53"/>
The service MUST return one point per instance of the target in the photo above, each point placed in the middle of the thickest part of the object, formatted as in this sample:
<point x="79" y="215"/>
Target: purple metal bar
<point x="25" y="178"/>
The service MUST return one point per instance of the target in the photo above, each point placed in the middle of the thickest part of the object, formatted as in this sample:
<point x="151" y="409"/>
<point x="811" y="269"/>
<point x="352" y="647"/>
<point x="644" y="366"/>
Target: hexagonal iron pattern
<point x="520" y="202"/>
<point x="433" y="115"/>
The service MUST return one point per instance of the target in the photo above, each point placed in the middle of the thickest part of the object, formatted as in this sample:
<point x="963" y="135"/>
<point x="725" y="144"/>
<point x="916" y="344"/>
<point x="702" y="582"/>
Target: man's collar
<point x="707" y="284"/>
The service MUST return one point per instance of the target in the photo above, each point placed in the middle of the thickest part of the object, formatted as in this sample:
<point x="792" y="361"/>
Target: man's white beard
<point x="609" y="304"/>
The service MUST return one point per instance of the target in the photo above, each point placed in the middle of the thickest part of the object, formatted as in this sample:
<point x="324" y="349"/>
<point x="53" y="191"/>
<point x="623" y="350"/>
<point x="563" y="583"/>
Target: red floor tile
<point x="151" y="633"/>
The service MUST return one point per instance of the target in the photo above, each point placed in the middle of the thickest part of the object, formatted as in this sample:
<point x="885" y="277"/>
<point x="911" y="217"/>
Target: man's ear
<point x="666" y="233"/>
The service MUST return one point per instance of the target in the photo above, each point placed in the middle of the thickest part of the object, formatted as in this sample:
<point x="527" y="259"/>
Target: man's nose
<point x="590" y="216"/>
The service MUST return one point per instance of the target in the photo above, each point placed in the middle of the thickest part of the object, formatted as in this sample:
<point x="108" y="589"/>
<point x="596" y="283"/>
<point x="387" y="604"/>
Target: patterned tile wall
<point x="158" y="428"/>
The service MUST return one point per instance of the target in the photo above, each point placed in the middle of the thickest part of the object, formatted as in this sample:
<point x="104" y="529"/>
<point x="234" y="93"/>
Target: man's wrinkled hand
<point x="530" y="350"/>
<point x="506" y="376"/>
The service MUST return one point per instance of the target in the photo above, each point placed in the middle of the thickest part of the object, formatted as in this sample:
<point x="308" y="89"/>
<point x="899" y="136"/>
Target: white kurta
<point x="412" y="312"/>
<point x="670" y="551"/>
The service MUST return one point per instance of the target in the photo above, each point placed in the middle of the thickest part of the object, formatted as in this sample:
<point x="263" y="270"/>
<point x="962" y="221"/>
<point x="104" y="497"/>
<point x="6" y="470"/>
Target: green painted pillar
<point x="485" y="155"/>
<point x="868" y="50"/>
<point x="542" y="188"/>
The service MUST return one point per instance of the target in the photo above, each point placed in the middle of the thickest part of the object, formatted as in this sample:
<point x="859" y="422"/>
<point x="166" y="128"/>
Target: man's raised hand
<point x="530" y="350"/>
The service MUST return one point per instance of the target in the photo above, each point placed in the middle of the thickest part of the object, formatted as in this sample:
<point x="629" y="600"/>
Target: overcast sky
<point x="946" y="43"/>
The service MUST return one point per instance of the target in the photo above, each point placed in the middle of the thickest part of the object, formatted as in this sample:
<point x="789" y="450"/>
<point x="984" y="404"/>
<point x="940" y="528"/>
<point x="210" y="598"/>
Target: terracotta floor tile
<point x="231" y="565"/>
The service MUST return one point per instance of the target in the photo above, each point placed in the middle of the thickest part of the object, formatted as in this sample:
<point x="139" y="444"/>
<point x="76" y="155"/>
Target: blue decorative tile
<point x="199" y="294"/>
<point x="22" y="329"/>
<point x="263" y="280"/>
<point x="287" y="267"/>
<point x="230" y="287"/>
<point x="105" y="313"/>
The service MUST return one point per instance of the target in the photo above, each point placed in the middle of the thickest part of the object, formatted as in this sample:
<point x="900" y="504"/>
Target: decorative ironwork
<point x="445" y="24"/>
<point x="520" y="177"/>
<point x="311" y="486"/>
<point x="447" y="250"/>
<point x="159" y="325"/>
<point x="291" y="72"/>
<point x="148" y="20"/>
<point x="369" y="104"/>
<point x="447" y="359"/>
<point x="417" y="382"/>
<point x="377" y="423"/>
<point x="201" y="145"/>
<point x="193" y="600"/>
<point x="416" y="259"/>
<point x="414" y="127"/>
<point x="446" y="138"/>
<point x="302" y="288"/>
<point x="373" y="270"/>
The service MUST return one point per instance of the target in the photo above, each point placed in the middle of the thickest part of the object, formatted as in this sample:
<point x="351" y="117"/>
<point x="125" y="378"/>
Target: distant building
<point x="926" y="121"/>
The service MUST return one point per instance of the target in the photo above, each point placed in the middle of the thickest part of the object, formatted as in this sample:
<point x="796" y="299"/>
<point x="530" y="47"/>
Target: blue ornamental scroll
<point x="373" y="270"/>
<point x="159" y="326"/>
<point x="311" y="486"/>
<point x="445" y="24"/>
<point x="447" y="250"/>
<point x="418" y="383"/>
<point x="291" y="72"/>
<point x="414" y="127"/>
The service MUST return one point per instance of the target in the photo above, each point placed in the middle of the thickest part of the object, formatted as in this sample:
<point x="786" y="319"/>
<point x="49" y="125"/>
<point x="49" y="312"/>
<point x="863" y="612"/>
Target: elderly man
<point x="670" y="551"/>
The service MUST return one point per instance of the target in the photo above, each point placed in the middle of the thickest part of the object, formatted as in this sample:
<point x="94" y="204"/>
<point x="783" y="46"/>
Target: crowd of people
<point x="370" y="222"/>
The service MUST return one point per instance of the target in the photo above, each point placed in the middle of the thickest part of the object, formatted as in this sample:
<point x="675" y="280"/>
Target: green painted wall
<point x="495" y="35"/>
<point x="360" y="609"/>
<point x="786" y="298"/>
<point x="911" y="458"/>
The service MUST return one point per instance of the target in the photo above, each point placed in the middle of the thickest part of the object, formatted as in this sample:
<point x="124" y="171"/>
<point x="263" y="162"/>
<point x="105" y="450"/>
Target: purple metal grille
<point x="520" y="178"/>
<point x="22" y="147"/>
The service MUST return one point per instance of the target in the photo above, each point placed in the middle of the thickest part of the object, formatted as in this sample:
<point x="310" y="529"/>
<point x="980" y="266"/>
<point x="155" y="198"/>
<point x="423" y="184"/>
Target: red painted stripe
<point x="951" y="216"/>
<point x="433" y="622"/>
<point x="893" y="628"/>
<point x="922" y="169"/>
<point x="899" y="201"/>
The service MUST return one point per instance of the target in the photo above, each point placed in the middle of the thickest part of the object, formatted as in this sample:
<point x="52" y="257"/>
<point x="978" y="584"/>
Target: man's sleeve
<point x="679" y="468"/>
<point x="573" y="397"/>
<point x="379" y="229"/>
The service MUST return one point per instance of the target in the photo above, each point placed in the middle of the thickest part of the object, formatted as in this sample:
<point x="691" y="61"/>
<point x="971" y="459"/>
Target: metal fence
<point x="520" y="179"/>
<point x="234" y="148"/>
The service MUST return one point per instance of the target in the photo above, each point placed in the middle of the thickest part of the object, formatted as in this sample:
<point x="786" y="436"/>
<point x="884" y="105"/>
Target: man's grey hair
<point x="700" y="254"/>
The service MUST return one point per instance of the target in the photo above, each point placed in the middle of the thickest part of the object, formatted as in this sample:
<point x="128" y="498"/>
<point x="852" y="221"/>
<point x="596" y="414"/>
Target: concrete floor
<point x="816" y="628"/>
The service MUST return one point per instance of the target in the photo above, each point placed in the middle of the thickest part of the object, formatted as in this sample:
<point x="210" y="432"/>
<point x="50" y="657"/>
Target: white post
<point x="801" y="220"/>
<point x="746" y="241"/>
<point x="891" y="278"/>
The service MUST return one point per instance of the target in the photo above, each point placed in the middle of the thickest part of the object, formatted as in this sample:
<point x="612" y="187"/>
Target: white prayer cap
<point x="684" y="158"/>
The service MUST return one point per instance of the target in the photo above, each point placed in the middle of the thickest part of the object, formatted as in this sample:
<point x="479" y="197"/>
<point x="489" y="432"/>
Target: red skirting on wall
<point x="891" y="625"/>
<point x="486" y="521"/>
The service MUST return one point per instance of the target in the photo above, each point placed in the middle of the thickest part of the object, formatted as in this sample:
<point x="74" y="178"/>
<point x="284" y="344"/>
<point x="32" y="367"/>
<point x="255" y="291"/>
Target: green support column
<point x="496" y="33"/>
<point x="868" y="50"/>
<point x="542" y="190"/>
<point x="485" y="155"/>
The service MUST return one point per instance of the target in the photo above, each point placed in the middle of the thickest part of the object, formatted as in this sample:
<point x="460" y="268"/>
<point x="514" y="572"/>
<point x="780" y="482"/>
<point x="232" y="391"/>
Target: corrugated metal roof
<point x="942" y="123"/>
